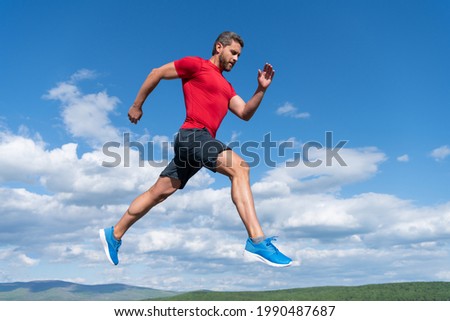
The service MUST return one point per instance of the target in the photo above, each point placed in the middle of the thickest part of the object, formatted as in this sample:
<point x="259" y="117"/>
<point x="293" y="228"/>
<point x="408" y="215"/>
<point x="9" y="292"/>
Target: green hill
<point x="65" y="291"/>
<point x="413" y="291"/>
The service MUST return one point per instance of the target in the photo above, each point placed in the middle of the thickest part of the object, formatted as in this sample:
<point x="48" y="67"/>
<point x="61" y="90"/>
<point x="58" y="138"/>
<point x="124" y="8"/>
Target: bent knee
<point x="244" y="166"/>
<point x="232" y="165"/>
<point x="241" y="169"/>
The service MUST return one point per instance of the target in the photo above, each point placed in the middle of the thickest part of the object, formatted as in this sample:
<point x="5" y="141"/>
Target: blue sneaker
<point x="267" y="253"/>
<point x="110" y="244"/>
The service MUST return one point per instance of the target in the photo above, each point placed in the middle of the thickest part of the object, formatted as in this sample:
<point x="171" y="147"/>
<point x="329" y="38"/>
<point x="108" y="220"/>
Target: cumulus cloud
<point x="360" y="164"/>
<point x="362" y="239"/>
<point x="440" y="153"/>
<point x="83" y="74"/>
<point x="28" y="261"/>
<point x="290" y="110"/>
<point x="54" y="200"/>
<point x="73" y="178"/>
<point x="17" y="257"/>
<point x="85" y="115"/>
<point x="198" y="230"/>
<point x="21" y="157"/>
<point x="377" y="220"/>
<point x="403" y="158"/>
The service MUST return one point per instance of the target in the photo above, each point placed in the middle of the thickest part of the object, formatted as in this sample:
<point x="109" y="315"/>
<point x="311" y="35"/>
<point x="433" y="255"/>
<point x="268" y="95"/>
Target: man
<point x="208" y="96"/>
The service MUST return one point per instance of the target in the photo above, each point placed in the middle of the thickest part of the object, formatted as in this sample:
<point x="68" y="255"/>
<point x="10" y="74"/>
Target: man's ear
<point x="219" y="47"/>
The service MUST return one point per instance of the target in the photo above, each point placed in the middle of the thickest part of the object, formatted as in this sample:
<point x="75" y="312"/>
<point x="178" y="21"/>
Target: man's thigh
<point x="229" y="163"/>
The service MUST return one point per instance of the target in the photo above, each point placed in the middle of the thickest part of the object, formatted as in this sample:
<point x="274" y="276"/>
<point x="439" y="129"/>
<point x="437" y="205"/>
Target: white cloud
<point x="24" y="259"/>
<point x="440" y="153"/>
<point x="83" y="74"/>
<point x="290" y="110"/>
<point x="234" y="136"/>
<point x="197" y="234"/>
<point x="403" y="159"/>
<point x="85" y="115"/>
<point x="16" y="258"/>
<point x="190" y="244"/>
<point x="363" y="217"/>
<point x="444" y="275"/>
<point x="198" y="230"/>
<point x="21" y="157"/>
<point x="361" y="164"/>
<point x="73" y="178"/>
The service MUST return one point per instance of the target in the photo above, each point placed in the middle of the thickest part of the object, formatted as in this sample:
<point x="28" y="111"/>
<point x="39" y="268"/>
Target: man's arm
<point x="245" y="110"/>
<point x="167" y="71"/>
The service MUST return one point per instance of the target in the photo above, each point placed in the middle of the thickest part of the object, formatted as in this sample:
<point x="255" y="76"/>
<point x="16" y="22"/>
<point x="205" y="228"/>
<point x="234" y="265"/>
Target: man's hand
<point x="265" y="77"/>
<point x="245" y="110"/>
<point x="134" y="114"/>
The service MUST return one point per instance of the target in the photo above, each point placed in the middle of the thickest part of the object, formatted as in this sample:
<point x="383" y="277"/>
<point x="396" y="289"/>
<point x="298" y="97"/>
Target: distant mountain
<point x="67" y="291"/>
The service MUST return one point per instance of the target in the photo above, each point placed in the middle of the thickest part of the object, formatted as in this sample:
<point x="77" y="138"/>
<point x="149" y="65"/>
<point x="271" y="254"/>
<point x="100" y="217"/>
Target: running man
<point x="208" y="96"/>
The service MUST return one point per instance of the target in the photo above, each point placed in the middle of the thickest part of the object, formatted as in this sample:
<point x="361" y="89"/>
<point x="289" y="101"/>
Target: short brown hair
<point x="225" y="38"/>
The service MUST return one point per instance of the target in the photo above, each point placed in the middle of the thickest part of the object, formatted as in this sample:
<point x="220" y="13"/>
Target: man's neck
<point x="215" y="60"/>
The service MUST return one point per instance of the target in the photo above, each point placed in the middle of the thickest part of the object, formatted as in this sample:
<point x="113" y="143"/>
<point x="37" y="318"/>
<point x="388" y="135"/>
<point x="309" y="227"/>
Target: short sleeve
<point x="232" y="92"/>
<point x="188" y="66"/>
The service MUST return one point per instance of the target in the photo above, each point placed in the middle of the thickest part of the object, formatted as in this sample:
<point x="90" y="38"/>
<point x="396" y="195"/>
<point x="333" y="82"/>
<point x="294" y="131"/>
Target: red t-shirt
<point x="206" y="93"/>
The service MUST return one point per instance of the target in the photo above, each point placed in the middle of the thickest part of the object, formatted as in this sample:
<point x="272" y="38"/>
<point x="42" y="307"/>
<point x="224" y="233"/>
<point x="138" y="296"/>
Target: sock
<point x="257" y="240"/>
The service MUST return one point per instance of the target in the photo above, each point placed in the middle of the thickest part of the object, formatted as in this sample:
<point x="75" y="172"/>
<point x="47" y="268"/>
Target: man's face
<point x="229" y="55"/>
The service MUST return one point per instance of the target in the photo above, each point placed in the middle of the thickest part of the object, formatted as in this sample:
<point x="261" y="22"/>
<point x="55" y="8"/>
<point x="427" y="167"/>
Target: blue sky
<point x="374" y="73"/>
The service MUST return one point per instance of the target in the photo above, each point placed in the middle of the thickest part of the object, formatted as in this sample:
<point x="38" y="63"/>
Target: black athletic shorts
<point x="194" y="149"/>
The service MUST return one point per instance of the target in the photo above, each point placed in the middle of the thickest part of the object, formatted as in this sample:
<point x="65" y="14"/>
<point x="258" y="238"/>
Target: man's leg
<point x="111" y="237"/>
<point x="257" y="247"/>
<point x="163" y="188"/>
<point x="232" y="165"/>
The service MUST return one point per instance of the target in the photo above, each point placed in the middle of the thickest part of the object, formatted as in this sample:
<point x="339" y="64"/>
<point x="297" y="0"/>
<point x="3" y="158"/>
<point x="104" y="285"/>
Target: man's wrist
<point x="261" y="89"/>
<point x="137" y="106"/>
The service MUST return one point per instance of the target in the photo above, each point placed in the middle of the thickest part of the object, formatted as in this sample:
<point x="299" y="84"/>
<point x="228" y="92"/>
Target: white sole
<point x="256" y="257"/>
<point x="105" y="245"/>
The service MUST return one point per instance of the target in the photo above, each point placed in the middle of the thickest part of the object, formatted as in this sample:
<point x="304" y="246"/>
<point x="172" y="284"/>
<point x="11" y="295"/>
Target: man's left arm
<point x="245" y="110"/>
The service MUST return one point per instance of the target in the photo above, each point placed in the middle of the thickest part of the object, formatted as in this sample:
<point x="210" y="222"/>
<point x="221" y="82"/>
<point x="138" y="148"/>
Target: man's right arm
<point x="166" y="71"/>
